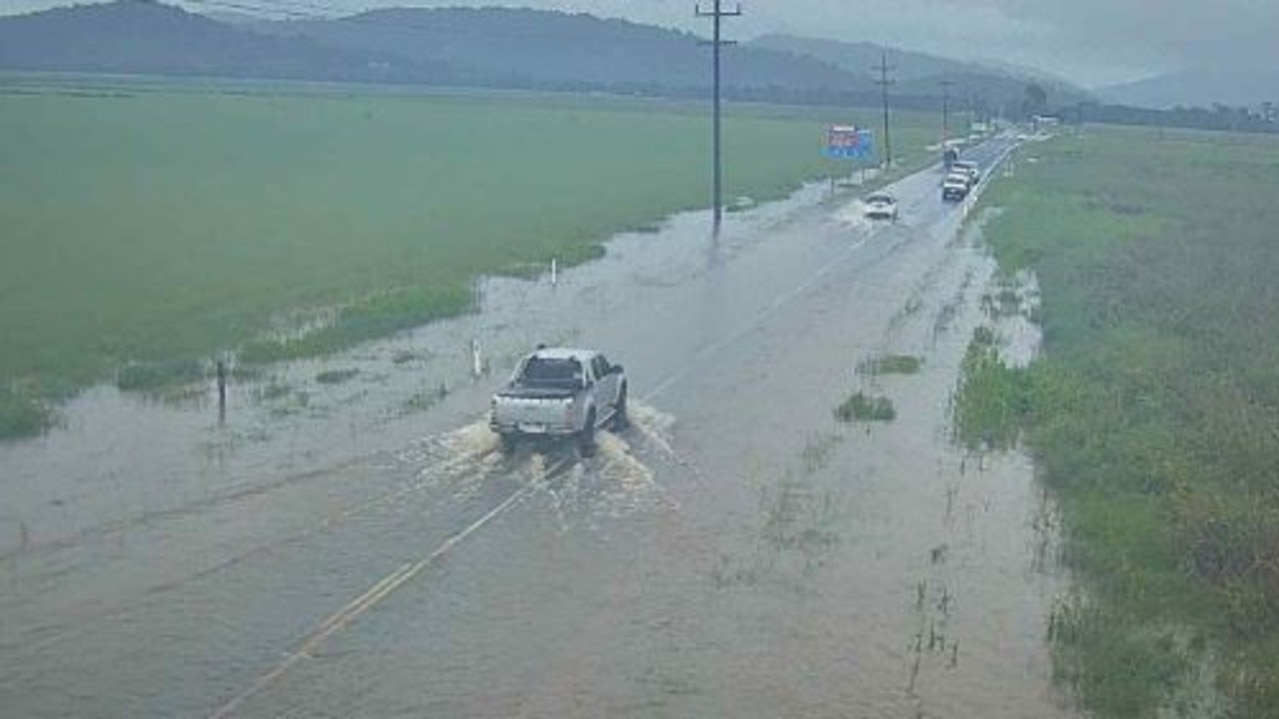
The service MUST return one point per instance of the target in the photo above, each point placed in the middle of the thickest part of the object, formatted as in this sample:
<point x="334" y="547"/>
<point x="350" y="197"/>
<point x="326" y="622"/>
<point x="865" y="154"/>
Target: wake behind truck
<point x="560" y="393"/>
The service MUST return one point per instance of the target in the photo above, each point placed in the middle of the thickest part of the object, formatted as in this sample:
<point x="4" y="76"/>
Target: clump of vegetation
<point x="148" y="376"/>
<point x="799" y="518"/>
<point x="864" y="408"/>
<point x="890" y="364"/>
<point x="22" y="414"/>
<point x="426" y="399"/>
<point x="992" y="400"/>
<point x="1006" y="301"/>
<point x="1127" y="673"/>
<point x="336" y="376"/>
<point x="272" y="390"/>
<point x="818" y="450"/>
<point x="248" y="372"/>
<point x="406" y="356"/>
<point x="365" y="319"/>
<point x="1151" y="411"/>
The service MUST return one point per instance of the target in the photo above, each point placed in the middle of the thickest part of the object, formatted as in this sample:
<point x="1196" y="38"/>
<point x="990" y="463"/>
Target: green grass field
<point x="1154" y="411"/>
<point x="153" y="226"/>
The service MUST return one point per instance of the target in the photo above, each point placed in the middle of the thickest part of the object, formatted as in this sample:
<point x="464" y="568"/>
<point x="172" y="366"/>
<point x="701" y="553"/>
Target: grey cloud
<point x="1174" y="32"/>
<point x="1100" y="40"/>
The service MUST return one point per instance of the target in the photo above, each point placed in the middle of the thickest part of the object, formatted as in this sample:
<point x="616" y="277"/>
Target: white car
<point x="956" y="186"/>
<point x="881" y="206"/>
<point x="969" y="167"/>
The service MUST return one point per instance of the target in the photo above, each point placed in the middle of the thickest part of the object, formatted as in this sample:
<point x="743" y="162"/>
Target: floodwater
<point x="362" y="548"/>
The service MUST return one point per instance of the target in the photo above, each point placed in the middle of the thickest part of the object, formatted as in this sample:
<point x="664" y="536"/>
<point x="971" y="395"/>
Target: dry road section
<point x="739" y="551"/>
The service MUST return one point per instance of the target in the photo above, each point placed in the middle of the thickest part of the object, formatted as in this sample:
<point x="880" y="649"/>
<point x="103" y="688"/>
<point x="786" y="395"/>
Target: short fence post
<point x="477" y="359"/>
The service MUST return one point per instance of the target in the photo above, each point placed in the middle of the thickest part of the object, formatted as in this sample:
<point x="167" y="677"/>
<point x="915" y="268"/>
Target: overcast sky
<point x="1092" y="42"/>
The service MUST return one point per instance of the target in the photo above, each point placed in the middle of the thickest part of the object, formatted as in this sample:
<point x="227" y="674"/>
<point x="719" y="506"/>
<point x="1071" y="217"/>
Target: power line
<point x="717" y="14"/>
<point x="883" y="67"/>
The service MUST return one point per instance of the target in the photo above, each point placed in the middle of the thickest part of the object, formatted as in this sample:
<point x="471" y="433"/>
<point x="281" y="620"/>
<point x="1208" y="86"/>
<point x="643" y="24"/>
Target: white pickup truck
<point x="972" y="168"/>
<point x="956" y="186"/>
<point x="560" y="392"/>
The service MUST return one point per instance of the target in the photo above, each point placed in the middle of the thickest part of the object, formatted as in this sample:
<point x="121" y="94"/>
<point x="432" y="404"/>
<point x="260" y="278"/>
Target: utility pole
<point x="883" y="67"/>
<point x="945" y="112"/>
<point x="716" y="14"/>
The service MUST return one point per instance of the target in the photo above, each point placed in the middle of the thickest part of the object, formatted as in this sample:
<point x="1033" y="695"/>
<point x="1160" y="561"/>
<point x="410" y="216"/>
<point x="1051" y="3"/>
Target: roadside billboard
<point x="848" y="142"/>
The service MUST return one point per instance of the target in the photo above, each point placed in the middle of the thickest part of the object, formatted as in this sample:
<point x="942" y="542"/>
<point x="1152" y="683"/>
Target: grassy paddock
<point x="152" y="224"/>
<point x="1153" y="409"/>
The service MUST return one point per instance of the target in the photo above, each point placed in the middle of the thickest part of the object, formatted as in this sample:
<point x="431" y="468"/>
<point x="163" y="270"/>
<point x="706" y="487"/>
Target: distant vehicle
<point x="948" y="158"/>
<point x="974" y="172"/>
<point x="560" y="392"/>
<point x="881" y="206"/>
<point x="956" y="186"/>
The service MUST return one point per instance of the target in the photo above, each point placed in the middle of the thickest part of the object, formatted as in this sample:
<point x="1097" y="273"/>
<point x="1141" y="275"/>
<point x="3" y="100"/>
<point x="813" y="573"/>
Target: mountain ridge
<point x="148" y="37"/>
<point x="516" y="48"/>
<point x="1198" y="87"/>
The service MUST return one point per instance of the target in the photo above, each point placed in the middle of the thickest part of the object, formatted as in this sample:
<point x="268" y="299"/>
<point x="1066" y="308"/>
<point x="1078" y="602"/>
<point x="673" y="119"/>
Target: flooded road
<point x="362" y="549"/>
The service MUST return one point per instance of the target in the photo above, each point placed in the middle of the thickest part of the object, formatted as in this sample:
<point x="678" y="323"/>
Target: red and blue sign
<point x="847" y="142"/>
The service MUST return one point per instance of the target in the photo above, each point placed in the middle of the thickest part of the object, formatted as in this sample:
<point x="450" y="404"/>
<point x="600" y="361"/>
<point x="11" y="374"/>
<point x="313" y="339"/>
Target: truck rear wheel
<point x="586" y="438"/>
<point x="621" y="420"/>
<point x="506" y="442"/>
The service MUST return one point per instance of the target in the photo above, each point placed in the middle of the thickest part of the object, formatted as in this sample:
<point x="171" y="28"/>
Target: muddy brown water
<point x="340" y="550"/>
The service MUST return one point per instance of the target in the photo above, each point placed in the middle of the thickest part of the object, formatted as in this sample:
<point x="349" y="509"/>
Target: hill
<point x="548" y="49"/>
<point x="918" y="75"/>
<point x="859" y="57"/>
<point x="1199" y="87"/>
<point x="146" y="37"/>
<point x="487" y="47"/>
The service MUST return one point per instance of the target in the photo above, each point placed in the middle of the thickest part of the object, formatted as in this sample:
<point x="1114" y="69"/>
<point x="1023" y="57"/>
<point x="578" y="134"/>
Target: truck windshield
<point x="545" y="372"/>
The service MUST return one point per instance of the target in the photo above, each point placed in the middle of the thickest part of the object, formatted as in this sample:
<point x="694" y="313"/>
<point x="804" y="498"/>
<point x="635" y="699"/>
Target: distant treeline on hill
<point x="1218" y="117"/>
